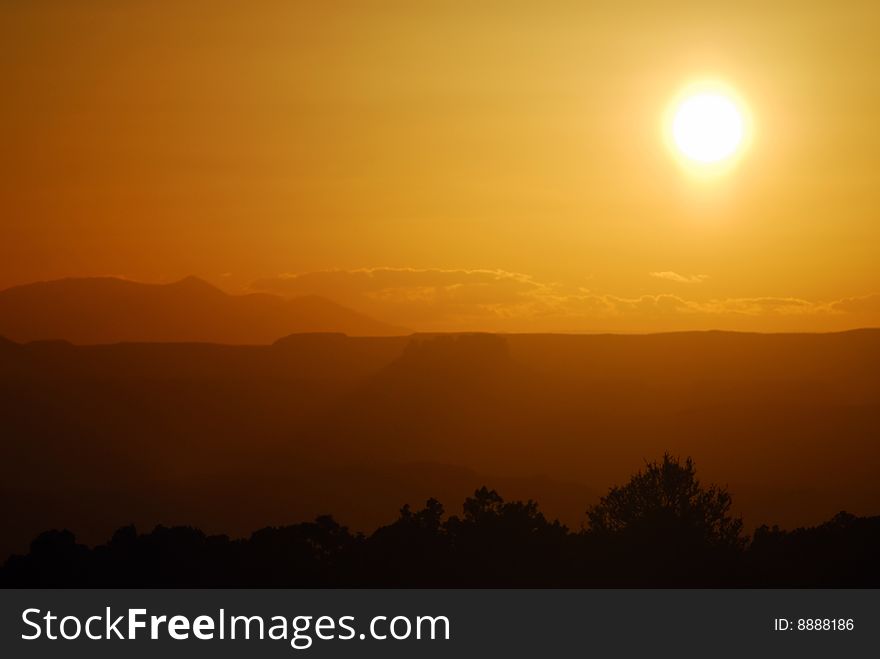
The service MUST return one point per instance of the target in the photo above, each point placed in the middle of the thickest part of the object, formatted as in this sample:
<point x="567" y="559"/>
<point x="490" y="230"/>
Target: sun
<point x="708" y="127"/>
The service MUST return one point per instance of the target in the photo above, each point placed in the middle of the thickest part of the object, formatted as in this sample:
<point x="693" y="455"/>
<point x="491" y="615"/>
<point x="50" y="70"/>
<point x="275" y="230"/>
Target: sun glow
<point x="708" y="127"/>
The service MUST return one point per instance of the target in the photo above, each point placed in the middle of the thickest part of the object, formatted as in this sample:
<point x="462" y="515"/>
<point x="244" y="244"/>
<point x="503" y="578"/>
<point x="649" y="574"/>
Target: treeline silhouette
<point x="661" y="529"/>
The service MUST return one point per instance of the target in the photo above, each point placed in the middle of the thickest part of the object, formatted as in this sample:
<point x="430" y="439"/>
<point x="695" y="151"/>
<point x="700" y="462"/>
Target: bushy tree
<point x="665" y="502"/>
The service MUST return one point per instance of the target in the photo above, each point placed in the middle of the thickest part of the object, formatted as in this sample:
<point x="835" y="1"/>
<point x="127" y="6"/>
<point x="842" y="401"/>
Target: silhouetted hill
<point x="230" y="438"/>
<point x="450" y="397"/>
<point x="110" y="310"/>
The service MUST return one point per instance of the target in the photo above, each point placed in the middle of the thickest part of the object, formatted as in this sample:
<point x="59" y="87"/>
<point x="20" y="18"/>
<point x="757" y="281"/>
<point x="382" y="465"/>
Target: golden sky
<point x="449" y="165"/>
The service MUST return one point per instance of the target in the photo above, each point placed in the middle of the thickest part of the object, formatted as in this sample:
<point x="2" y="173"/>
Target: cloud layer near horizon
<point x="499" y="300"/>
<point x="681" y="279"/>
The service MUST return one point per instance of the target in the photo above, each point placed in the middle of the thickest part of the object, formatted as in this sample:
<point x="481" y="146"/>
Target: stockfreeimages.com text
<point x="300" y="631"/>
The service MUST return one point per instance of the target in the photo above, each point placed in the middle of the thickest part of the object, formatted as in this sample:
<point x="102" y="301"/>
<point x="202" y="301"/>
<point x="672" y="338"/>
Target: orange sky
<point x="448" y="165"/>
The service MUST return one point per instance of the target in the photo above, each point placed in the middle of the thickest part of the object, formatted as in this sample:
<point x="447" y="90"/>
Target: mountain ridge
<point x="95" y="310"/>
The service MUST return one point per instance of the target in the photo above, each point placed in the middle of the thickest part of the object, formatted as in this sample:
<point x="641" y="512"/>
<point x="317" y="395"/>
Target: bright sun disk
<point x="708" y="127"/>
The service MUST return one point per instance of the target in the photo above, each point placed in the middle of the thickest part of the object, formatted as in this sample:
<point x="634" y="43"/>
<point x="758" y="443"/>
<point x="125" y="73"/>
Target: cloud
<point x="654" y="305"/>
<point x="421" y="295"/>
<point x="866" y="304"/>
<point x="435" y="299"/>
<point x="681" y="279"/>
<point x="756" y="306"/>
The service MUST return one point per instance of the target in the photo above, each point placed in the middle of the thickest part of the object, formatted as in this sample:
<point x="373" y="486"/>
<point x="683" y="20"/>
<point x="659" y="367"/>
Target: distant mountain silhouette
<point x="111" y="310"/>
<point x="230" y="438"/>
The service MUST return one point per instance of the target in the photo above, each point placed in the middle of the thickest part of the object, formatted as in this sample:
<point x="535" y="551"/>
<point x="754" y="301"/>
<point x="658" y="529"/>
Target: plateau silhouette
<point x="232" y="438"/>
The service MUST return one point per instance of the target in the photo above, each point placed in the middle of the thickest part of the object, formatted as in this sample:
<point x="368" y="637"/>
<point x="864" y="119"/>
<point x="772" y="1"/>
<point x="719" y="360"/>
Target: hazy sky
<point x="448" y="165"/>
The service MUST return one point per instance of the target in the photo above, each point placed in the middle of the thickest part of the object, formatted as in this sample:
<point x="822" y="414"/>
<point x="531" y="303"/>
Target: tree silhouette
<point x="662" y="528"/>
<point x="309" y="552"/>
<point x="415" y="543"/>
<point x="429" y="519"/>
<point x="666" y="500"/>
<point x="495" y="539"/>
